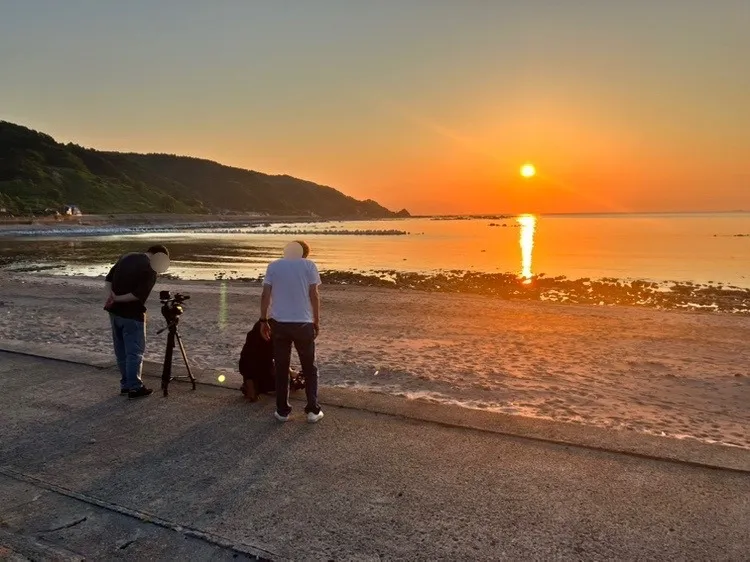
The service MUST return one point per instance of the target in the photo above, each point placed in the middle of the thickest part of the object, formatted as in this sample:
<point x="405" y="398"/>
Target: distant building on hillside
<point x="72" y="211"/>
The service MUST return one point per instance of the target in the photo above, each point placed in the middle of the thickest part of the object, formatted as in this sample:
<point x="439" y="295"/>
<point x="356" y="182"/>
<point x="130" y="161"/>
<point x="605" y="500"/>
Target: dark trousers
<point x="302" y="336"/>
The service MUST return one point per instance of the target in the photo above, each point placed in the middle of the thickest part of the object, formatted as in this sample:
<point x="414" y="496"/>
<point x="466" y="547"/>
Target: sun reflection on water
<point x="528" y="227"/>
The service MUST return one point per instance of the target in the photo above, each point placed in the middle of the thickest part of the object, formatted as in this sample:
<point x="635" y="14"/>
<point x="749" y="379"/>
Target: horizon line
<point x="578" y="213"/>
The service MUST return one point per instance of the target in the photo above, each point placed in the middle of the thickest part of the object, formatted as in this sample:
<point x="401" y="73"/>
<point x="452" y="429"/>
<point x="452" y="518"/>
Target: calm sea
<point x="678" y="247"/>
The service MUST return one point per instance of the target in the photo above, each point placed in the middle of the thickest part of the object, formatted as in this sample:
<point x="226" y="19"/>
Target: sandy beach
<point x="677" y="374"/>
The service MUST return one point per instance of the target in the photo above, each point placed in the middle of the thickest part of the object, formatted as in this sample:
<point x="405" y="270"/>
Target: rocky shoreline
<point x="671" y="295"/>
<point x="663" y="295"/>
<point x="197" y="228"/>
<point x="208" y="224"/>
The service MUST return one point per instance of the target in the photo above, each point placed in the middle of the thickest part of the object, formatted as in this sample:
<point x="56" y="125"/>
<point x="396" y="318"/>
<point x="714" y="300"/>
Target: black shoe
<point x="124" y="391"/>
<point x="140" y="393"/>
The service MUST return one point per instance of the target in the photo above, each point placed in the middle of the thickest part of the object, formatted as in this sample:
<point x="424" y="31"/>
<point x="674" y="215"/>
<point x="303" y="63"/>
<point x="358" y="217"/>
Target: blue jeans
<point x="129" y="338"/>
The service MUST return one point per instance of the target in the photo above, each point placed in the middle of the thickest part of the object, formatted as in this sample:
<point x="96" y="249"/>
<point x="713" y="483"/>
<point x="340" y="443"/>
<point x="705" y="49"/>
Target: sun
<point x="528" y="170"/>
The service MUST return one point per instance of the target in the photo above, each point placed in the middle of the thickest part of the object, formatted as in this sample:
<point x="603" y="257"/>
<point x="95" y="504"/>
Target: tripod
<point x="166" y="374"/>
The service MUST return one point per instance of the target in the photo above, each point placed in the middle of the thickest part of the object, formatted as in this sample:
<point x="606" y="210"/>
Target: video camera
<point x="171" y="306"/>
<point x="171" y="309"/>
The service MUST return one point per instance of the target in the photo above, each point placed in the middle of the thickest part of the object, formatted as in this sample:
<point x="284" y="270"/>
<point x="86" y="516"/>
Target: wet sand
<point x="678" y="374"/>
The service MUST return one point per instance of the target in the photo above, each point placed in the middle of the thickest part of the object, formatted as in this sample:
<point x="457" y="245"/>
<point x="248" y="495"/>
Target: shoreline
<point x="139" y="219"/>
<point x="135" y="225"/>
<point x="665" y="373"/>
<point x="161" y="221"/>
<point x="238" y="247"/>
<point x="605" y="292"/>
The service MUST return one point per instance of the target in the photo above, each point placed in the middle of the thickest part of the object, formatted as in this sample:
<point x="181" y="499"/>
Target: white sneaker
<point x="281" y="418"/>
<point x="314" y="418"/>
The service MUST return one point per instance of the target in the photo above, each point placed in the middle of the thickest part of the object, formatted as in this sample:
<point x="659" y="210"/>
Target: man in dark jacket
<point x="128" y="285"/>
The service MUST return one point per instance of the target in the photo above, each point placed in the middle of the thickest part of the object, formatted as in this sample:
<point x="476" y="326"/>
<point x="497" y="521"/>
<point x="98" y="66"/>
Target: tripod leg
<point x="166" y="374"/>
<point x="185" y="359"/>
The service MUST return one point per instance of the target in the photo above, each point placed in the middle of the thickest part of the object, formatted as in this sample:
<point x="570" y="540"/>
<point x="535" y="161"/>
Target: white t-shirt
<point x="290" y="281"/>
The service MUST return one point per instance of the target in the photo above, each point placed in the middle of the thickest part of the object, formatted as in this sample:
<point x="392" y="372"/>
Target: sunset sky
<point x="432" y="105"/>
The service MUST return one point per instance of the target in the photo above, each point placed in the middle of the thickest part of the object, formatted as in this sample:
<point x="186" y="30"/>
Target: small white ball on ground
<point x="222" y="378"/>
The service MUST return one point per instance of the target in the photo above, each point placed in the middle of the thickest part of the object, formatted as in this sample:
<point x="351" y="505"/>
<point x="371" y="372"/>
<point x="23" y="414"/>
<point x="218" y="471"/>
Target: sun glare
<point x="528" y="170"/>
<point x="528" y="227"/>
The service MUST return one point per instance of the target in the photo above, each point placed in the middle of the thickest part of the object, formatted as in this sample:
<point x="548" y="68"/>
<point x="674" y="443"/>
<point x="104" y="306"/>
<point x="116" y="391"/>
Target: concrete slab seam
<point x="31" y="548"/>
<point x="211" y="538"/>
<point x="40" y="355"/>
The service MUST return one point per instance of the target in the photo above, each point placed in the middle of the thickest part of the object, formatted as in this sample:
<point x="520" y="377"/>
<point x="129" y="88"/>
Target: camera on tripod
<point x="171" y="309"/>
<point x="171" y="306"/>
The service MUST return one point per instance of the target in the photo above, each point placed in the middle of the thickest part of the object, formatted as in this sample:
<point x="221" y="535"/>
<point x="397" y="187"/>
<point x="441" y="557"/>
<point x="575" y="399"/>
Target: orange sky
<point x="428" y="105"/>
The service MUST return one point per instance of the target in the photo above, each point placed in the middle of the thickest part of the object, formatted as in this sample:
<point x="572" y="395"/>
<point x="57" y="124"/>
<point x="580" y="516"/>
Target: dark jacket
<point x="131" y="274"/>
<point x="256" y="361"/>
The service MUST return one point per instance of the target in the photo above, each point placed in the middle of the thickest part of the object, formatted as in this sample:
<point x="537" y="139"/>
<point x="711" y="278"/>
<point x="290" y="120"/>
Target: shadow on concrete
<point x="359" y="484"/>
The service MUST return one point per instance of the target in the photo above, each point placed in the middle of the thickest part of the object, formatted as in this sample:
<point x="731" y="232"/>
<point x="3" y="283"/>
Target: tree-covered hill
<point x="36" y="173"/>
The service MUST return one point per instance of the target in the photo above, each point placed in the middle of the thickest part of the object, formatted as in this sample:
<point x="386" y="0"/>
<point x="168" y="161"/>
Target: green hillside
<point x="36" y="172"/>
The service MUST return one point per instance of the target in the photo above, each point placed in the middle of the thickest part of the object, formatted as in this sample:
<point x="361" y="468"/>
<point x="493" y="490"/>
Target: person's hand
<point x="316" y="329"/>
<point x="265" y="331"/>
<point x="109" y="302"/>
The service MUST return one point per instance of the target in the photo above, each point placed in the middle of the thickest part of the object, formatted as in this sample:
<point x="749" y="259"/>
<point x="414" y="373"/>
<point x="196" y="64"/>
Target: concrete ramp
<point x="222" y="478"/>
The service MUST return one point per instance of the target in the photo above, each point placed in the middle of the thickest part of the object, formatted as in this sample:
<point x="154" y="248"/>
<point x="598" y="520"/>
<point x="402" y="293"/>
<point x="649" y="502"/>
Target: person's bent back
<point x="290" y="315"/>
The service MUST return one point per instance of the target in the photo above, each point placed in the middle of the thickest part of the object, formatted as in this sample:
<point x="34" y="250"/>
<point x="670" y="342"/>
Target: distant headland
<point x="42" y="177"/>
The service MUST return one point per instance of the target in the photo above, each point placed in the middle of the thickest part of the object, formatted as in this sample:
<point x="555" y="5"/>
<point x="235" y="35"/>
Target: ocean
<point x="699" y="248"/>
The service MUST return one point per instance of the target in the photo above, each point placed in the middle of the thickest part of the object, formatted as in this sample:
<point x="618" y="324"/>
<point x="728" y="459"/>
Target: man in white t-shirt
<point x="290" y="291"/>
